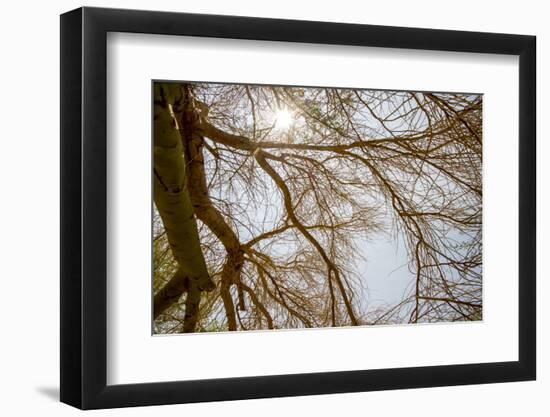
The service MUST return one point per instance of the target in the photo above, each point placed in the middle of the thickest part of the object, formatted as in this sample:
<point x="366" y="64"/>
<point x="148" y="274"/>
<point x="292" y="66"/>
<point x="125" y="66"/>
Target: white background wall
<point x="29" y="225"/>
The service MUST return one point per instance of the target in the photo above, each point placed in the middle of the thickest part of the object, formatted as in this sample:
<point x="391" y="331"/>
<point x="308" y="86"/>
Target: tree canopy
<point x="263" y="194"/>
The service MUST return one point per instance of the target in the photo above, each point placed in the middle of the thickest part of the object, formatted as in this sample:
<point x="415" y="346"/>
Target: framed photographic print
<point x="256" y="207"/>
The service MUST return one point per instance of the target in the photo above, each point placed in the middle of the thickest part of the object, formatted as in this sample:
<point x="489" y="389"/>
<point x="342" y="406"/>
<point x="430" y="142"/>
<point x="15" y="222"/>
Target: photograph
<point x="295" y="207"/>
<point x="339" y="206"/>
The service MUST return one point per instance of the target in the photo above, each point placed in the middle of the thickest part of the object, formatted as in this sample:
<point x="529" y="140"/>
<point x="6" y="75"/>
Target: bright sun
<point x="283" y="119"/>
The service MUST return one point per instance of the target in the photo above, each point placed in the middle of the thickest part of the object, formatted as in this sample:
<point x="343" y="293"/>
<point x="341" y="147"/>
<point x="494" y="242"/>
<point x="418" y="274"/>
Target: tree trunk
<point x="174" y="205"/>
<point x="207" y="212"/>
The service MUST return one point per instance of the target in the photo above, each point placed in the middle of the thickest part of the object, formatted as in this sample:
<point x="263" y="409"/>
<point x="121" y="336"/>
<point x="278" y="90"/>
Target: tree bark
<point x="172" y="200"/>
<point x="206" y="211"/>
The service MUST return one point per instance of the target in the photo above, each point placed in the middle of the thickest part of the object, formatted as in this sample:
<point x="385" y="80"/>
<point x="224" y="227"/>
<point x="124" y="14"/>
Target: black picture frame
<point x="84" y="207"/>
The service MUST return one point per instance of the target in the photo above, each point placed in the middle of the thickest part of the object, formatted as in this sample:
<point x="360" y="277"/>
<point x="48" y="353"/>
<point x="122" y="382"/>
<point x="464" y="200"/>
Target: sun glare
<point x="283" y="119"/>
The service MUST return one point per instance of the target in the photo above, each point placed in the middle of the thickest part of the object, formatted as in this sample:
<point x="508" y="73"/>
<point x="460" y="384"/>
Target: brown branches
<point x="244" y="143"/>
<point x="351" y="165"/>
<point x="333" y="272"/>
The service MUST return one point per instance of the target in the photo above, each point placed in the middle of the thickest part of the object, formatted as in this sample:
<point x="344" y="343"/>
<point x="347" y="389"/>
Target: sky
<point x="384" y="270"/>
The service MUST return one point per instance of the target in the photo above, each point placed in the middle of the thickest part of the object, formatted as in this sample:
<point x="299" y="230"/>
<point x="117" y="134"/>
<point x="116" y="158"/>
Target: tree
<point x="262" y="194"/>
